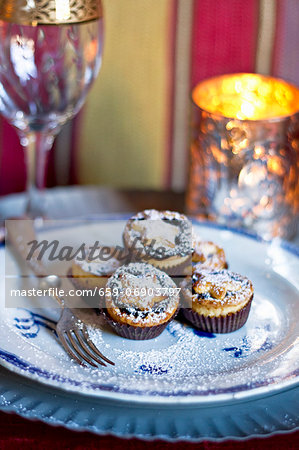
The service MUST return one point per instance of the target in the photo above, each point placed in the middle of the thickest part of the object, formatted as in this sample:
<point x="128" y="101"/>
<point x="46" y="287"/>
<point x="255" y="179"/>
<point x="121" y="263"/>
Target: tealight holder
<point x="244" y="156"/>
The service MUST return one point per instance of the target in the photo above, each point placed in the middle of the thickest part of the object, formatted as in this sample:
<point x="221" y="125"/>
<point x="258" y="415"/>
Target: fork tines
<point x="76" y="341"/>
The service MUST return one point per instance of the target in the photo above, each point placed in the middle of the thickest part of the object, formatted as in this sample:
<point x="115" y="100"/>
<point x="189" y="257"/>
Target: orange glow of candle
<point x="247" y="97"/>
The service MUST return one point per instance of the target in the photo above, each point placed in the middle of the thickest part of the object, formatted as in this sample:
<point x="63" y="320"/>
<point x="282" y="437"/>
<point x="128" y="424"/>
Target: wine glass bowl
<point x="48" y="61"/>
<point x="46" y="72"/>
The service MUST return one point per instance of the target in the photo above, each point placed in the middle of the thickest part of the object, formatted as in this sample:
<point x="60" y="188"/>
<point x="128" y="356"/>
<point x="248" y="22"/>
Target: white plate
<point x="182" y="366"/>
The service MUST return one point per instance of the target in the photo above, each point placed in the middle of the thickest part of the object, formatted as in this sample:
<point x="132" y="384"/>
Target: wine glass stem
<point x="36" y="145"/>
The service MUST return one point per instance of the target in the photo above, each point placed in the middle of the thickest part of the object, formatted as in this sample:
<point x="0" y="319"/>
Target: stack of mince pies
<point x="140" y="295"/>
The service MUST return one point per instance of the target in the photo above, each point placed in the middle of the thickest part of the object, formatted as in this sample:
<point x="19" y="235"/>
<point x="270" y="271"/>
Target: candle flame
<point x="247" y="97"/>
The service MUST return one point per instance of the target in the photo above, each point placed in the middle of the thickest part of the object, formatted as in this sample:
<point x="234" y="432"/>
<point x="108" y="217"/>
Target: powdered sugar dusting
<point x="99" y="268"/>
<point x="143" y="293"/>
<point x="206" y="254"/>
<point x="222" y="287"/>
<point x="181" y="353"/>
<point x="166" y="234"/>
<point x="181" y="361"/>
<point x="156" y="233"/>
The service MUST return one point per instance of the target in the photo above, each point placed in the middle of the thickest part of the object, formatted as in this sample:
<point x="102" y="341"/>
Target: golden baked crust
<point x="160" y="238"/>
<point x="207" y="255"/>
<point x="141" y="296"/>
<point x="217" y="293"/>
<point x="150" y="321"/>
<point x="86" y="279"/>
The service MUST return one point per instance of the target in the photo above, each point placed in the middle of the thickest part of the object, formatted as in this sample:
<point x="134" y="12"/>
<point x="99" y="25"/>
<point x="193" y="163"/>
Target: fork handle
<point x="19" y="234"/>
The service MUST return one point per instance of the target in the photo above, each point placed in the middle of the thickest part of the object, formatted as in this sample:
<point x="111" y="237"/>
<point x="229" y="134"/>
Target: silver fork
<point x="71" y="330"/>
<point x="74" y="337"/>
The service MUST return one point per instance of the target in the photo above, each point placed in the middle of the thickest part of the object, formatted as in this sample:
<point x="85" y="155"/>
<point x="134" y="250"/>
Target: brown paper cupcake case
<point x="220" y="324"/>
<point x="136" y="333"/>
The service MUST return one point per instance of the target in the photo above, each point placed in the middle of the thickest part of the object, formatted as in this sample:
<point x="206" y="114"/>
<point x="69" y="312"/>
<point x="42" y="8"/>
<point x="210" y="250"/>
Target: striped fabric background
<point x="133" y="131"/>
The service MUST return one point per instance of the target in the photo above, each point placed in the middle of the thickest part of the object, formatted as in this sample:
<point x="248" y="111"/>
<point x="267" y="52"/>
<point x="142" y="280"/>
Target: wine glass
<point x="50" y="53"/>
